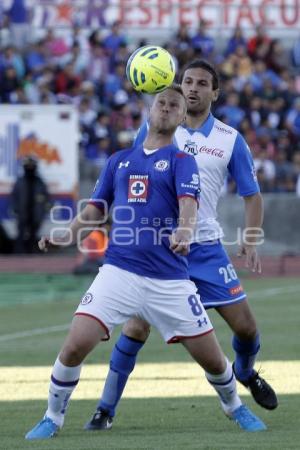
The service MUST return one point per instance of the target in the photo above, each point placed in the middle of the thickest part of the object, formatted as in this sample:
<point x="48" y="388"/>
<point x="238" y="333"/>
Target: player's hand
<point x="180" y="242"/>
<point x="45" y="243"/>
<point x="253" y="261"/>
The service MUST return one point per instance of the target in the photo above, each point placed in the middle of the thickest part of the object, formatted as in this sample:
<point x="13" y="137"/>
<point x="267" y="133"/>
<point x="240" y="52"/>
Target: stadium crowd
<point x="260" y="94"/>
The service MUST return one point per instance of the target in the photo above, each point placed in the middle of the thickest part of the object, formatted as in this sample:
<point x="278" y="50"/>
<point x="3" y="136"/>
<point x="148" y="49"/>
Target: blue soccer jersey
<point x="144" y="190"/>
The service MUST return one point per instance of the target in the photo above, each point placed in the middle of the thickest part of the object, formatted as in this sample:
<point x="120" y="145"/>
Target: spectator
<point x="56" y="47"/>
<point x="98" y="64"/>
<point x="256" y="112"/>
<point x="119" y="56"/>
<point x="114" y="83"/>
<point x="246" y="95"/>
<point x="78" y="37"/>
<point x="241" y="67"/>
<point x="78" y="58"/>
<point x="264" y="141"/>
<point x="202" y="42"/>
<point x="258" y="45"/>
<point x="36" y="58"/>
<point x="96" y="155"/>
<point x="9" y="84"/>
<point x="293" y="119"/>
<point x="11" y="58"/>
<point x="102" y="127"/>
<point x="284" y="173"/>
<point x="115" y="38"/>
<point x="276" y="58"/>
<point x="266" y="172"/>
<point x="182" y="39"/>
<point x="30" y="203"/>
<point x="66" y="80"/>
<point x="296" y="54"/>
<point x="18" y="16"/>
<point x="274" y="115"/>
<point x="121" y="118"/>
<point x="231" y="113"/>
<point x="86" y="113"/>
<point x="236" y="40"/>
<point x="31" y="89"/>
<point x="284" y="144"/>
<point x="87" y="90"/>
<point x="244" y="63"/>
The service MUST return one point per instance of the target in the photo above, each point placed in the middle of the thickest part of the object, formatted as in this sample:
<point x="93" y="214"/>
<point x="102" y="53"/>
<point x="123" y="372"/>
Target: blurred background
<point x="66" y="106"/>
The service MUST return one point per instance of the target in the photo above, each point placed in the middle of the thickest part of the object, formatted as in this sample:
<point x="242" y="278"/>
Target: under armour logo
<point x="126" y="164"/>
<point x="202" y="322"/>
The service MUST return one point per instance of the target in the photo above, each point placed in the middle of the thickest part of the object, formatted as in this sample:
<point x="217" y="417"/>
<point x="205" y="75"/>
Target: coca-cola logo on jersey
<point x="212" y="151"/>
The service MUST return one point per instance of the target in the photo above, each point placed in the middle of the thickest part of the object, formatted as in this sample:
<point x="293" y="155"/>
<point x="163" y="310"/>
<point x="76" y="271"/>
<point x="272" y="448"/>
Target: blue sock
<point x="245" y="355"/>
<point x="122" y="363"/>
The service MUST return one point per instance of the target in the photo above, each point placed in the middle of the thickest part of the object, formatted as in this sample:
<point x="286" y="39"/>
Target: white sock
<point x="63" y="382"/>
<point x="225" y="386"/>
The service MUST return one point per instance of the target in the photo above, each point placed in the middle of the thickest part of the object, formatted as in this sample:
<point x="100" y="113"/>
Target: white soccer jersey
<point x="218" y="149"/>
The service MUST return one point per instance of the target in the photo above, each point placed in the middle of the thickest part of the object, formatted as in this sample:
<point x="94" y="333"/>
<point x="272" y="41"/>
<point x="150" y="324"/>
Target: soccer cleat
<point x="45" y="429"/>
<point x="261" y="391"/>
<point x="101" y="420"/>
<point x="246" y="419"/>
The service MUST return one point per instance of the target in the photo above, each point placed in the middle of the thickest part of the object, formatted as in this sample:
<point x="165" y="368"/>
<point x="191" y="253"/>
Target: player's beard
<point x="197" y="109"/>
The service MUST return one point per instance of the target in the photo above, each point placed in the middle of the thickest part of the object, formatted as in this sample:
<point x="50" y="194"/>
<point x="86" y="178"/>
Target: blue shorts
<point x="213" y="273"/>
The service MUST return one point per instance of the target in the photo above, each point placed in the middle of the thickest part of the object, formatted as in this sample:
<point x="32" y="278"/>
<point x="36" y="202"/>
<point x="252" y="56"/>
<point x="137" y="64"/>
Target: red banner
<point x="220" y="14"/>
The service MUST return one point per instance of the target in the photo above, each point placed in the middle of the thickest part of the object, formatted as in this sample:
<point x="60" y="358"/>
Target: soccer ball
<point x="150" y="69"/>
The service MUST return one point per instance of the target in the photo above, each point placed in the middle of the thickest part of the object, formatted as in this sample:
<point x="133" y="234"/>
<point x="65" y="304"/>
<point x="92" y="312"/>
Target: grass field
<point x="167" y="403"/>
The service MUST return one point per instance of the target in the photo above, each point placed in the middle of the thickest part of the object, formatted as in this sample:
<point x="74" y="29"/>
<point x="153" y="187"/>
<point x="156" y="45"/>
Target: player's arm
<point x="81" y="226"/>
<point x="187" y="182"/>
<point x="89" y="218"/>
<point x="181" y="237"/>
<point x="254" y="212"/>
<point x="242" y="169"/>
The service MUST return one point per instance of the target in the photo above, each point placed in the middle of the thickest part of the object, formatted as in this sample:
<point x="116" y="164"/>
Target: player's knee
<point x="247" y="334"/>
<point x="246" y="330"/>
<point x="137" y="329"/>
<point x="215" y="366"/>
<point x="245" y="325"/>
<point x="72" y="354"/>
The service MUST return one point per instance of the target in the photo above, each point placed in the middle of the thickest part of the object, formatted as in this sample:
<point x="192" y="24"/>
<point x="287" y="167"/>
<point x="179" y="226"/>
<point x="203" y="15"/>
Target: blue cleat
<point x="246" y="419"/>
<point x="45" y="429"/>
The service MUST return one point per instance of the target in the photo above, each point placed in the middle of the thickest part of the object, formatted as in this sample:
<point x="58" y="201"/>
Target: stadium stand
<point x="260" y="90"/>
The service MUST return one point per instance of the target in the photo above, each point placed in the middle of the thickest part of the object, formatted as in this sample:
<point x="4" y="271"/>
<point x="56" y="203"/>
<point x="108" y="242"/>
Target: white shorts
<point x="171" y="306"/>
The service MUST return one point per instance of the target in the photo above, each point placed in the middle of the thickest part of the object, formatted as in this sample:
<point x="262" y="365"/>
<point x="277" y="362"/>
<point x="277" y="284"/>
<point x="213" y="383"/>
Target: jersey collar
<point x="205" y="128"/>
